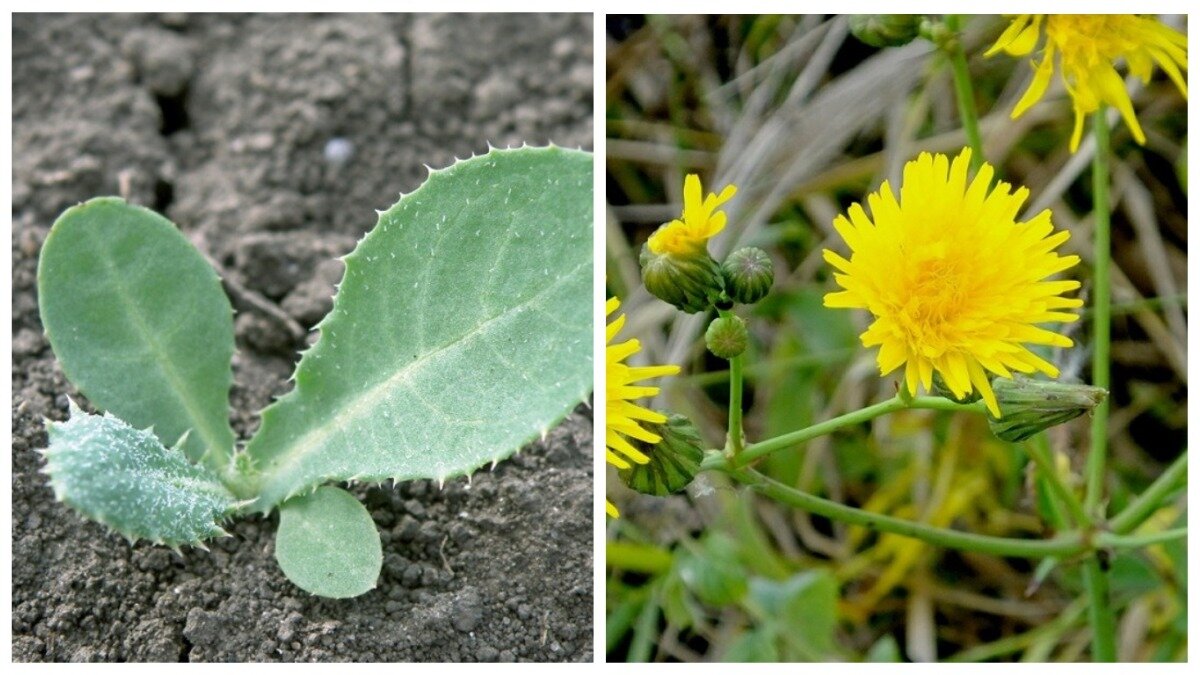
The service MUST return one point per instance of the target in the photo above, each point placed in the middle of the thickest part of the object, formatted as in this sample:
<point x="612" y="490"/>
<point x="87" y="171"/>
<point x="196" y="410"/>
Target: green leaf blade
<point x="124" y="478"/>
<point x="462" y="329"/>
<point x="139" y="322"/>
<point x="327" y="544"/>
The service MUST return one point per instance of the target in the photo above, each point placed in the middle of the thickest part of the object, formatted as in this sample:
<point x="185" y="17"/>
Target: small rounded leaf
<point x="327" y="544"/>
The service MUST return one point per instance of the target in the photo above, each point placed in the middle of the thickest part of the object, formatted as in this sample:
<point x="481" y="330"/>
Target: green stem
<point x="1100" y="612"/>
<point x="1061" y="546"/>
<point x="1101" y="318"/>
<point x="762" y="448"/>
<point x="1141" y="508"/>
<point x="1039" y="452"/>
<point x="641" y="648"/>
<point x="964" y="92"/>
<point x="1106" y="540"/>
<point x="736" y="438"/>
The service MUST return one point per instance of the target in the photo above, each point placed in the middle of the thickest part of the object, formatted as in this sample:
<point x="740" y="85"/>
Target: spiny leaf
<point x="139" y="322"/>
<point x="125" y="478"/>
<point x="327" y="544"/>
<point x="461" y="330"/>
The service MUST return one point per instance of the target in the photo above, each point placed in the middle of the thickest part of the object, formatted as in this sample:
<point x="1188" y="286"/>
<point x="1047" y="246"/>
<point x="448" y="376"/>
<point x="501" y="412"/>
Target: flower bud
<point x="726" y="336"/>
<point x="674" y="461"/>
<point x="748" y="274"/>
<point x="885" y="30"/>
<point x="691" y="282"/>
<point x="1029" y="406"/>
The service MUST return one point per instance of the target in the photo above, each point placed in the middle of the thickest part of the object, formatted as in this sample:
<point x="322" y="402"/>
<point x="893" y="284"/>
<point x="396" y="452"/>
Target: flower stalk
<point x="1061" y="546"/>
<point x="1095" y="581"/>
<point x="788" y="440"/>
<point x="1080" y="540"/>
<point x="735" y="439"/>
<point x="1100" y="614"/>
<point x="1101" y="316"/>
<point x="963" y="90"/>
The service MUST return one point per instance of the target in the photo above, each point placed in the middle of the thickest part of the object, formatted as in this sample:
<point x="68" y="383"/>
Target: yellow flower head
<point x="954" y="281"/>
<point x="1088" y="47"/>
<point x="699" y="222"/>
<point x="623" y="415"/>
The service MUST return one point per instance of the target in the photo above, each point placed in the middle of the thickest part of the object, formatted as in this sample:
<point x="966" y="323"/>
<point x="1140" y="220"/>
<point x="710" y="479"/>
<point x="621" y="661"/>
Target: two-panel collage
<point x="307" y="312"/>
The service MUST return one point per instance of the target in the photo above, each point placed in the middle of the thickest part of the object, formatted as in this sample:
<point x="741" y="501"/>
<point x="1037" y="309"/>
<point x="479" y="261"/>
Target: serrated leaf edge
<point x="264" y="506"/>
<point x="47" y="469"/>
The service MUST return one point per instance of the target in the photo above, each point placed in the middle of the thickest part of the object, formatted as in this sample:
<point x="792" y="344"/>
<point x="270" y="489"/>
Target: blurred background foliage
<point x="805" y="120"/>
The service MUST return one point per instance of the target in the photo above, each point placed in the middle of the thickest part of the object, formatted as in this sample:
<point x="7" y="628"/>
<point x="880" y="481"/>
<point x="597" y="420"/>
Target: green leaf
<point x="462" y="330"/>
<point x="620" y="618"/>
<point x="804" y="609"/>
<point x="713" y="573"/>
<point x="756" y="646"/>
<point x="327" y="544"/>
<point x="677" y="605"/>
<point x="125" y="478"/>
<point x="139" y="322"/>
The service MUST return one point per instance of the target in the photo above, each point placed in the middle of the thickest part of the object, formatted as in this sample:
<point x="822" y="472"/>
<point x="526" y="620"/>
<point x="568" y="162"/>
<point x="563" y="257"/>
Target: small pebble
<point x="339" y="151"/>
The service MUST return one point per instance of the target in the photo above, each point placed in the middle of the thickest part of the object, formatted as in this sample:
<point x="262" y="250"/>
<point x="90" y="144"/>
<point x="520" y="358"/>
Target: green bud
<point x="674" y="461"/>
<point x="938" y="33"/>
<point x="727" y="336"/>
<point x="1029" y="406"/>
<point x="692" y="282"/>
<point x="885" y="30"/>
<point x="748" y="274"/>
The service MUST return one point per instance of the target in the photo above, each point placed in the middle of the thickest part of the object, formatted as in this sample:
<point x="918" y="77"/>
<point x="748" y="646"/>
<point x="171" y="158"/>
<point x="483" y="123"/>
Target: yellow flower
<point x="699" y="222"/>
<point x="1088" y="47"/>
<point x="624" y="417"/>
<point x="955" y="283"/>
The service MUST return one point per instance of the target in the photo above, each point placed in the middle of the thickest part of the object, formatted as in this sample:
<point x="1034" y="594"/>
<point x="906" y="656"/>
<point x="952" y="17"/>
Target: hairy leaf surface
<point x="125" y="478"/>
<point x="461" y="330"/>
<point x="139" y="322"/>
<point x="327" y="544"/>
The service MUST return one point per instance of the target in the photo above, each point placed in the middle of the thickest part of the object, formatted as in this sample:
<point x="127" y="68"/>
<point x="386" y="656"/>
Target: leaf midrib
<point x="313" y="439"/>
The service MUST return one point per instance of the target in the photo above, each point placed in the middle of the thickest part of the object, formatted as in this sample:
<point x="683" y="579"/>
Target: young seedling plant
<point x="461" y="330"/>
